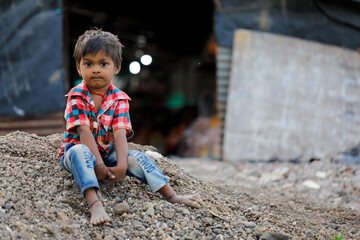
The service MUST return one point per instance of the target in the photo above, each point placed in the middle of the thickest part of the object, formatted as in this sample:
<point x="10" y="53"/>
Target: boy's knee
<point x="78" y="149"/>
<point x="137" y="159"/>
<point x="134" y="153"/>
<point x="82" y="153"/>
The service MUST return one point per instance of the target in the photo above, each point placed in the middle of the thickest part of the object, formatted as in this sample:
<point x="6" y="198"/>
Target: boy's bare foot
<point x="98" y="214"/>
<point x="188" y="200"/>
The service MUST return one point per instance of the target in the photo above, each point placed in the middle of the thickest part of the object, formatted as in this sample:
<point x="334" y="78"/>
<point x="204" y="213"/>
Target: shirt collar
<point x="82" y="90"/>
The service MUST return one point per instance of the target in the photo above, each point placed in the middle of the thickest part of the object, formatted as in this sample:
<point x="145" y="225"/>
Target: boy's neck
<point x="101" y="91"/>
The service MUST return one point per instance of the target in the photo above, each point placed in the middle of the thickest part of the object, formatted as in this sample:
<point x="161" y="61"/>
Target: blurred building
<point x="37" y="66"/>
<point x="177" y="96"/>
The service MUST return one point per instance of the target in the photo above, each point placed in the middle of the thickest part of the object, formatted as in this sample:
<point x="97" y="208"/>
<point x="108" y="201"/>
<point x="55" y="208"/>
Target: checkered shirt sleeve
<point x="75" y="113"/>
<point x="121" y="118"/>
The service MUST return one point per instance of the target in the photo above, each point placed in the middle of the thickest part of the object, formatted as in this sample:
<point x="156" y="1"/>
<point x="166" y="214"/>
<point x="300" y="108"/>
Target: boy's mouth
<point x="96" y="78"/>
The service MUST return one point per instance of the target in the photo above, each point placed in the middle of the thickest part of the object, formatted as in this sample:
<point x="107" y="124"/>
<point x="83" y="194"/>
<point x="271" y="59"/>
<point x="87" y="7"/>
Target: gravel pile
<point x="39" y="200"/>
<point x="333" y="182"/>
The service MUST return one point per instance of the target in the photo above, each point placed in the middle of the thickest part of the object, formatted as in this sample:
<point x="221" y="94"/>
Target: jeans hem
<point x="96" y="186"/>
<point x="160" y="186"/>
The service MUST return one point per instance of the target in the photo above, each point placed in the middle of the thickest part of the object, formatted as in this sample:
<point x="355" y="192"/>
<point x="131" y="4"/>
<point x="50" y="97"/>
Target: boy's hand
<point x="102" y="172"/>
<point x="119" y="174"/>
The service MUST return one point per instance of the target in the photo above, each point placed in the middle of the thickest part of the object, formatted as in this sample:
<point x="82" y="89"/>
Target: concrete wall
<point x="290" y="98"/>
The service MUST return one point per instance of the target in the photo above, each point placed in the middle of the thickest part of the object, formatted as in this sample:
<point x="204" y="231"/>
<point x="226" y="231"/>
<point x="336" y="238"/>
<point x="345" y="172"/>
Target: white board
<point x="290" y="98"/>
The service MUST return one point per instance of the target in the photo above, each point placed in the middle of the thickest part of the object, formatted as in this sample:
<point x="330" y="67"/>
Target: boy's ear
<point x="78" y="68"/>
<point x="117" y="69"/>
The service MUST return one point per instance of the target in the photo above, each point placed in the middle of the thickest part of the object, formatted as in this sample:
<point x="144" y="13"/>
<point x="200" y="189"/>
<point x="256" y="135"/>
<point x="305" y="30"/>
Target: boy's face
<point x="97" y="71"/>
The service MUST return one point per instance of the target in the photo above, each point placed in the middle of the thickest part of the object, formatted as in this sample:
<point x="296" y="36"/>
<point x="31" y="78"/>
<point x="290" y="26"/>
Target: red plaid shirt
<point x="114" y="114"/>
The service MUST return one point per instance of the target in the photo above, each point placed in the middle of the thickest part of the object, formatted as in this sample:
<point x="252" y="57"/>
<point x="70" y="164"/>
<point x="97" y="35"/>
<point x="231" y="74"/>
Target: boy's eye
<point x="88" y="64"/>
<point x="103" y="64"/>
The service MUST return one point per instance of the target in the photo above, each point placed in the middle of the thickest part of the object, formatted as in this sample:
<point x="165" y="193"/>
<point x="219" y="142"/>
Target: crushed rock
<point x="39" y="200"/>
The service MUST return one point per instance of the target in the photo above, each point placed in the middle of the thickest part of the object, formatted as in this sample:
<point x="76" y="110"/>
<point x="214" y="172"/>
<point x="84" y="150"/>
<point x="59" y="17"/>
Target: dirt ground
<point x="39" y="200"/>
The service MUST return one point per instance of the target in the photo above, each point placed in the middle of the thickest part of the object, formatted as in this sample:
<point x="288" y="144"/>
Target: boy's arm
<point x="121" y="148"/>
<point x="87" y="139"/>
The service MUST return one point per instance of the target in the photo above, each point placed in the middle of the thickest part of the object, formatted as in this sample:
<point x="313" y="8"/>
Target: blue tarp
<point x="31" y="58"/>
<point x="331" y="22"/>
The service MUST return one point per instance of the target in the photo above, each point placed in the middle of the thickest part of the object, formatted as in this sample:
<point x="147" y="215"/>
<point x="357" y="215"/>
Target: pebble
<point x="311" y="184"/>
<point x="55" y="142"/>
<point x="334" y="226"/>
<point x="49" y="229"/>
<point x="67" y="183"/>
<point x="62" y="216"/>
<point x="150" y="211"/>
<point x="121" y="208"/>
<point x="249" y="224"/>
<point x="168" y="213"/>
<point x="274" y="236"/>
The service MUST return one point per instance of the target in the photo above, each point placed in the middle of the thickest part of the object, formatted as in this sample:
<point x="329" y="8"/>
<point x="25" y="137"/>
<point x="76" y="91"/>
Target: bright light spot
<point x="134" y="67"/>
<point x="146" y="60"/>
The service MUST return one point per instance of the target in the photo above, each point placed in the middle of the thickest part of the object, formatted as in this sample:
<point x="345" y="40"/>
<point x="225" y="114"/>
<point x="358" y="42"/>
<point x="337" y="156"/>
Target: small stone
<point x="177" y="225"/>
<point x="249" y="224"/>
<point x="154" y="155"/>
<point x="146" y="206"/>
<point x="8" y="206"/>
<point x="150" y="211"/>
<point x="55" y="142"/>
<point x="34" y="136"/>
<point x="62" y="216"/>
<point x="334" y="226"/>
<point x="168" y="213"/>
<point x="321" y="174"/>
<point x="37" y="167"/>
<point x="108" y="237"/>
<point x="67" y="228"/>
<point x="196" y="224"/>
<point x="49" y="229"/>
<point x="121" y="208"/>
<point x="147" y="218"/>
<point x="219" y="237"/>
<point x="2" y="202"/>
<point x="217" y="231"/>
<point x="274" y="236"/>
<point x="255" y="208"/>
<point x="186" y="211"/>
<point x="208" y="221"/>
<point x="27" y="214"/>
<point x="67" y="183"/>
<point x="98" y="236"/>
<point x="311" y="184"/>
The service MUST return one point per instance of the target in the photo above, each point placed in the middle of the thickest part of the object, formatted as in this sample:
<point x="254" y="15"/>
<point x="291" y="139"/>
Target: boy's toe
<point x="196" y="205"/>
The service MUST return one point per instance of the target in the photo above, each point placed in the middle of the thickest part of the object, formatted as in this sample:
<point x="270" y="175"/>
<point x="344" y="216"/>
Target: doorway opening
<point x="180" y="83"/>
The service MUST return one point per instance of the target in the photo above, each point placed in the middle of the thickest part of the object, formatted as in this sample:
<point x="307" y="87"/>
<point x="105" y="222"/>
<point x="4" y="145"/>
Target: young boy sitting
<point x="98" y="126"/>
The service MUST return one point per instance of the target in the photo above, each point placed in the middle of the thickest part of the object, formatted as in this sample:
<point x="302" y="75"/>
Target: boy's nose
<point x="96" y="69"/>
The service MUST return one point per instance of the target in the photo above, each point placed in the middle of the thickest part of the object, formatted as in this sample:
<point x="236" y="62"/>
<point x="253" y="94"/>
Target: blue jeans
<point x="79" y="160"/>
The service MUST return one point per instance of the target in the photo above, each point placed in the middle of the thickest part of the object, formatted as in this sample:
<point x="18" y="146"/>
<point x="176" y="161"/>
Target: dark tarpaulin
<point x="330" y="22"/>
<point x="31" y="60"/>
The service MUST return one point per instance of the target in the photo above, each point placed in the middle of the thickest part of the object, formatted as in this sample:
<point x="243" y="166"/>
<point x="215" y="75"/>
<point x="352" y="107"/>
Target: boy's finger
<point x="109" y="173"/>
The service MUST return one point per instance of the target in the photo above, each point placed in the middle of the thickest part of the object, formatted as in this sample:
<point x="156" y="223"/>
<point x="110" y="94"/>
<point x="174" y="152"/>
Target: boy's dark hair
<point x="96" y="40"/>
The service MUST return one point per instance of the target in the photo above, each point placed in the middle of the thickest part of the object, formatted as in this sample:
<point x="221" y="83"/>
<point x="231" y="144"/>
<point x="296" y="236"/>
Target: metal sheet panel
<point x="330" y="22"/>
<point x="31" y="59"/>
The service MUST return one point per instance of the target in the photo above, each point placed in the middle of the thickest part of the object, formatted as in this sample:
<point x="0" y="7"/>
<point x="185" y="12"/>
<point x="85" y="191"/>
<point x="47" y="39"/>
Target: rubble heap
<point x="39" y="200"/>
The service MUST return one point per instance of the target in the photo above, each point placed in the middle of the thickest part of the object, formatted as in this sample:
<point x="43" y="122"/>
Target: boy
<point x="98" y="126"/>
